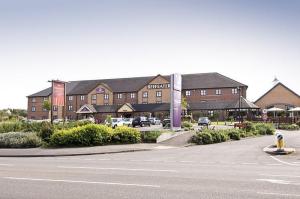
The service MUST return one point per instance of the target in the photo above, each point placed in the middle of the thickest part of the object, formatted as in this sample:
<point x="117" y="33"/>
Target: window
<point x="234" y="91"/>
<point x="33" y="99"/>
<point x="45" y="110"/>
<point x="54" y="108"/>
<point x="69" y="117"/>
<point x="106" y="96"/>
<point x="82" y="97"/>
<point x="94" y="97"/>
<point x="70" y="98"/>
<point x="145" y="94"/>
<point x="158" y="93"/>
<point x="218" y="92"/>
<point x="106" y="104"/>
<point x="144" y="102"/>
<point x="187" y="93"/>
<point x="33" y="109"/>
<point x="119" y="95"/>
<point x="70" y="107"/>
<point x="45" y="99"/>
<point x="132" y="95"/>
<point x="158" y="102"/>
<point x="203" y="92"/>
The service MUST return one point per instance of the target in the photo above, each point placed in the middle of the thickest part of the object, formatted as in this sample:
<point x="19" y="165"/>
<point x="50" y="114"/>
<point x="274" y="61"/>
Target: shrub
<point x="88" y="135"/>
<point x="218" y="136"/>
<point x="19" y="140"/>
<point x="289" y="127"/>
<point x="187" y="125"/>
<point x="234" y="134"/>
<point x="264" y="129"/>
<point x="250" y="127"/>
<point x="202" y="138"/>
<point x="46" y="131"/>
<point x="6" y="127"/>
<point x="150" y="136"/>
<point x="126" y="135"/>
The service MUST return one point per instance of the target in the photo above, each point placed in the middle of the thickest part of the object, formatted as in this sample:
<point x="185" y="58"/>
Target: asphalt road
<point x="236" y="169"/>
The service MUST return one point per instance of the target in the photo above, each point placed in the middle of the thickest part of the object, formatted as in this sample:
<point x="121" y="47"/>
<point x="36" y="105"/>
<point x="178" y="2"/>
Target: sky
<point x="249" y="41"/>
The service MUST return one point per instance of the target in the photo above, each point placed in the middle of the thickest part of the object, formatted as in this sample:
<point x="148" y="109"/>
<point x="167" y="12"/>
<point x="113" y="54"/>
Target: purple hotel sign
<point x="175" y="111"/>
<point x="100" y="90"/>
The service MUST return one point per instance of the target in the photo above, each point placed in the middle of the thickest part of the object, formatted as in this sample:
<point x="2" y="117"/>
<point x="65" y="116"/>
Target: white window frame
<point x="70" y="108"/>
<point x="119" y="96"/>
<point x="33" y="99"/>
<point x="70" y="98"/>
<point x="187" y="93"/>
<point x="33" y="109"/>
<point x="106" y="96"/>
<point x="203" y="92"/>
<point x="145" y="94"/>
<point x="218" y="92"/>
<point x="132" y="95"/>
<point x="94" y="97"/>
<point x="158" y="93"/>
<point x="45" y="99"/>
<point x="82" y="97"/>
<point x="234" y="91"/>
<point x="54" y="108"/>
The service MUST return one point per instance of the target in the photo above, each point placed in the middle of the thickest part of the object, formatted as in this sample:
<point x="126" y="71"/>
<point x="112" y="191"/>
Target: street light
<point x="239" y="90"/>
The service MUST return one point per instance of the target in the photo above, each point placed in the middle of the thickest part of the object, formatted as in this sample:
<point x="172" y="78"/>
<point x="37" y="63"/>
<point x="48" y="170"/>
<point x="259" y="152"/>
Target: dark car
<point x="203" y="121"/>
<point x="140" y="121"/>
<point x="166" y="123"/>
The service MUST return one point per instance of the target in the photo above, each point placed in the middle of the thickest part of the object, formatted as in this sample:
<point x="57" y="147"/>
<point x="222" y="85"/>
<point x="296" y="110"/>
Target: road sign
<point x="264" y="111"/>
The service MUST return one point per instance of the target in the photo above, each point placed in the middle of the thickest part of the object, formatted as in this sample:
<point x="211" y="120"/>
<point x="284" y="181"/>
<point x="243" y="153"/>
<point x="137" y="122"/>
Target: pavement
<point x="230" y="170"/>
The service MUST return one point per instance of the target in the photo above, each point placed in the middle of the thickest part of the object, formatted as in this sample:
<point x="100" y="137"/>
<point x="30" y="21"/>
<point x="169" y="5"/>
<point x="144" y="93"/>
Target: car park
<point x="203" y="121"/>
<point x="154" y="121"/>
<point x="140" y="121"/>
<point x="115" y="122"/>
<point x="166" y="122"/>
<point x="127" y="121"/>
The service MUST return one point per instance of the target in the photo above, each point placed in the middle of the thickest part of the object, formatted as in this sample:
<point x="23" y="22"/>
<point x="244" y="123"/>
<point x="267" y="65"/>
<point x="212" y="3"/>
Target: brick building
<point x="128" y="97"/>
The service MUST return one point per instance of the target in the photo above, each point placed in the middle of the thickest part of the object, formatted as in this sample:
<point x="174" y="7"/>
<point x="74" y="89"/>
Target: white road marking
<point x="165" y="147"/>
<point x="249" y="163"/>
<point x="83" y="182"/>
<point x="274" y="164"/>
<point x="275" y="181"/>
<point x="120" y="169"/>
<point x="283" y="162"/>
<point x="6" y="165"/>
<point x="279" y="194"/>
<point x="287" y="176"/>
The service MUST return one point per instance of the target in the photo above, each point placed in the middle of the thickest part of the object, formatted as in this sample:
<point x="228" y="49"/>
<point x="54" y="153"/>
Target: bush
<point x="234" y="134"/>
<point x="46" y="131"/>
<point x="250" y="127"/>
<point x="88" y="135"/>
<point x="187" y="125"/>
<point x="150" y="136"/>
<point x="202" y="138"/>
<point x="219" y="136"/>
<point x="6" y="127"/>
<point x="19" y="140"/>
<point x="264" y="129"/>
<point x="126" y="135"/>
<point x="290" y="127"/>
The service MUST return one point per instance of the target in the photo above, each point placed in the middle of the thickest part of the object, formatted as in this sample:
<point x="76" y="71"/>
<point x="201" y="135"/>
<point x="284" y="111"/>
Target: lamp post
<point x="240" y="118"/>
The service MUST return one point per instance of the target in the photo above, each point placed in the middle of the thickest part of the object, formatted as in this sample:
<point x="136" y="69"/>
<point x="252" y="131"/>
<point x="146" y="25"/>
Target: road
<point x="237" y="169"/>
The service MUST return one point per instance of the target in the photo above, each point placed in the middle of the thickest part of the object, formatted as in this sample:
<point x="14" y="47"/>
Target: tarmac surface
<point x="237" y="169"/>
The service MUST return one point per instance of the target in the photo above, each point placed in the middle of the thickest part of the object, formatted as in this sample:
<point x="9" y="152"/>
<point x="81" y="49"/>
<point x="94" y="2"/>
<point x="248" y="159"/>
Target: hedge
<point x="88" y="135"/>
<point x="150" y="136"/>
<point x="291" y="127"/>
<point x="19" y="140"/>
<point x="216" y="136"/>
<point x="125" y="135"/>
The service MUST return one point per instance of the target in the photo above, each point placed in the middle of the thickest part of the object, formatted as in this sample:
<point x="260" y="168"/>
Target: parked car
<point x="115" y="122"/>
<point x="89" y="119"/>
<point x="140" y="121"/>
<point x="154" y="121"/>
<point x="57" y="121"/>
<point x="127" y="121"/>
<point x="203" y="121"/>
<point x="166" y="122"/>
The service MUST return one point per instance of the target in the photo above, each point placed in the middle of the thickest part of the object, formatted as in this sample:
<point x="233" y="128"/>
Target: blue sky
<point x="250" y="41"/>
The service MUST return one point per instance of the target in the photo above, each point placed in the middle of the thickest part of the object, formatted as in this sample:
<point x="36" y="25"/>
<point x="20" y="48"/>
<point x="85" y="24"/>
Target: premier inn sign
<point x="158" y="86"/>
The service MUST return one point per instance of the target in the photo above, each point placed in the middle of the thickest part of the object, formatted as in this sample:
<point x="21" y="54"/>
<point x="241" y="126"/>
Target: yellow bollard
<point x="279" y="142"/>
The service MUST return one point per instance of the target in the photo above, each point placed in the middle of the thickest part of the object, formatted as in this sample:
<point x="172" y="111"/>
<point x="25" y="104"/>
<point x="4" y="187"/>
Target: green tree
<point x="47" y="105"/>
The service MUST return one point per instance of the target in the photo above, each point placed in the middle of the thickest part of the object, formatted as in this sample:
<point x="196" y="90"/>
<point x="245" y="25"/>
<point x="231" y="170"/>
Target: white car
<point x="115" y="122"/>
<point x="127" y="121"/>
<point x="90" y="119"/>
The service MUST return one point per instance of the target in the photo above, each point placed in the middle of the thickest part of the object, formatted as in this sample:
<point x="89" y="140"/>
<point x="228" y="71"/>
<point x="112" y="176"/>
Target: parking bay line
<point x="82" y="182"/>
<point x="7" y="165"/>
<point x="274" y="175"/>
<point x="283" y="162"/>
<point x="119" y="169"/>
<point x="278" y="194"/>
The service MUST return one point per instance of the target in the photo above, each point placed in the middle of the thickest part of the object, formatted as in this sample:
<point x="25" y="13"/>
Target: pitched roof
<point x="278" y="84"/>
<point x="245" y="104"/>
<point x="134" y="84"/>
